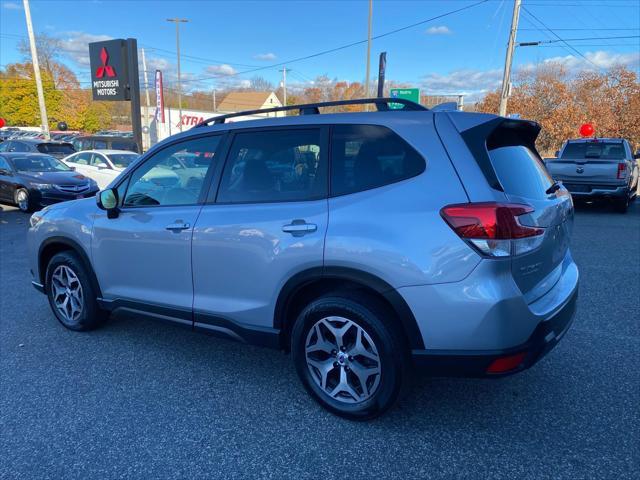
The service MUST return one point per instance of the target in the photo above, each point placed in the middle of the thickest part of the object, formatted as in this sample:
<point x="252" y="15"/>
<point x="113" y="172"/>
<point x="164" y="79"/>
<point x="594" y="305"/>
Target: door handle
<point x="298" y="228"/>
<point x="178" y="226"/>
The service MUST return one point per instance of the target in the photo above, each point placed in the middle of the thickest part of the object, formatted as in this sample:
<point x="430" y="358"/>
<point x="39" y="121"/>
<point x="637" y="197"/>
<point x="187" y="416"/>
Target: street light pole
<point x="366" y="80"/>
<point x="36" y="71"/>
<point x="506" y="78"/>
<point x="178" y="21"/>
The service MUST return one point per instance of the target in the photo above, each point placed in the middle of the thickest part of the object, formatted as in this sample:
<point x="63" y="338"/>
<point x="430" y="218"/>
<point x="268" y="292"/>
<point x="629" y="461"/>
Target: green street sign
<point x="412" y="94"/>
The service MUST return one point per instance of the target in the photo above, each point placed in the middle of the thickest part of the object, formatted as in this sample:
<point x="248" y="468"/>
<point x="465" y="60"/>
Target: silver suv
<point x="363" y="243"/>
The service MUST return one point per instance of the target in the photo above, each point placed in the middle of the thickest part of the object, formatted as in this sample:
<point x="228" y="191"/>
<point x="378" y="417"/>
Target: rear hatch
<point x="506" y="153"/>
<point x="591" y="162"/>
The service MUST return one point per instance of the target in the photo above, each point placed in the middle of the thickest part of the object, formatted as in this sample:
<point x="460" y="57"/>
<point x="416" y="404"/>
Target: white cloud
<point x="11" y="6"/>
<point x="267" y="57"/>
<point x="472" y="83"/>
<point x="594" y="60"/>
<point x="439" y="30"/>
<point x="75" y="45"/>
<point x="475" y="83"/>
<point x="222" y="69"/>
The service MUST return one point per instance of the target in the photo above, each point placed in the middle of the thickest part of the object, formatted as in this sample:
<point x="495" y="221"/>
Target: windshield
<point x="40" y="163"/>
<point x="65" y="148"/>
<point x="601" y="150"/>
<point x="122" y="160"/>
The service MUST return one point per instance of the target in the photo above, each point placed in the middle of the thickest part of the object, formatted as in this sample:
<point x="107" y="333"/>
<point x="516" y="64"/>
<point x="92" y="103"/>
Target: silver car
<point x="363" y="243"/>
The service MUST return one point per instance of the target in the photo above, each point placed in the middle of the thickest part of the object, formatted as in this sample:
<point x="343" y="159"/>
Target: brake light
<point x="494" y="228"/>
<point x="622" y="169"/>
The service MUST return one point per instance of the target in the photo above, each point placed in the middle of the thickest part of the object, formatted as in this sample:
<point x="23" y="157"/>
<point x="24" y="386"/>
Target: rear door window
<point x="370" y="156"/>
<point x="275" y="166"/>
<point x="520" y="171"/>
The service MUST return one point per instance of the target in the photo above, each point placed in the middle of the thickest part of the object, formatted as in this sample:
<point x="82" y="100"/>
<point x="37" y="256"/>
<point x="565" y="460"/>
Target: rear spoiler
<point x="495" y="132"/>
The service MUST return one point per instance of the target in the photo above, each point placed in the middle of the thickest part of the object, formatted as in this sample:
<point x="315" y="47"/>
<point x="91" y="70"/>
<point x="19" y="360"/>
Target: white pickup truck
<point x="597" y="168"/>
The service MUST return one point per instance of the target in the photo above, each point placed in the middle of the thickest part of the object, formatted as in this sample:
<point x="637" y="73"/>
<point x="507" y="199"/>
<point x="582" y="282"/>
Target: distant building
<point x="232" y="103"/>
<point x="239" y="101"/>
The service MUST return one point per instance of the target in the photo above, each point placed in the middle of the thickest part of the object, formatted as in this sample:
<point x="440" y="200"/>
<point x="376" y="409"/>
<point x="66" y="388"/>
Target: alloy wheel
<point x="343" y="359"/>
<point x="66" y="292"/>
<point x="23" y="200"/>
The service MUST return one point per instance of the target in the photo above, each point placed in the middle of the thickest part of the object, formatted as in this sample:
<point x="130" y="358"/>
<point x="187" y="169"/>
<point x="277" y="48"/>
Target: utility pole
<point x="36" y="71"/>
<point x="506" y="78"/>
<point x="284" y="85"/>
<point x="366" y="80"/>
<point x="178" y="21"/>
<point x="215" y="107"/>
<point x="146" y="107"/>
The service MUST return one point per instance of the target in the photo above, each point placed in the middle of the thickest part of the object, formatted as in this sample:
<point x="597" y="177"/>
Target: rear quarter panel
<point x="395" y="232"/>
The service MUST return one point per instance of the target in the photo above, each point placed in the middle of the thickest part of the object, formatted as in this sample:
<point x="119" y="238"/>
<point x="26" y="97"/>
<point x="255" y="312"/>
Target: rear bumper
<point x="598" y="191"/>
<point x="476" y="363"/>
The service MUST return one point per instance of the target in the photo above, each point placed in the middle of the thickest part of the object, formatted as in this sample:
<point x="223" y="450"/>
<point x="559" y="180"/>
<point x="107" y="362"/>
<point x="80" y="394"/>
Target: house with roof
<point x="239" y="101"/>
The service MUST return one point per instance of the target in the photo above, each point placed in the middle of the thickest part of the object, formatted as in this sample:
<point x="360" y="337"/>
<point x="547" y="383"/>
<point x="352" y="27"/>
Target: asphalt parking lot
<point x="139" y="399"/>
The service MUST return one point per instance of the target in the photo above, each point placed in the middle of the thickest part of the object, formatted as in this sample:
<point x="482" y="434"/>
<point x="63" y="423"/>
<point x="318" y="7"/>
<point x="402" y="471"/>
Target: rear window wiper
<point x="554" y="188"/>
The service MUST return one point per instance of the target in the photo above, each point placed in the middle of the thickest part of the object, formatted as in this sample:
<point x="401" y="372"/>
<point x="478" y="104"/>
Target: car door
<point x="81" y="162"/>
<point x="102" y="172"/>
<point x="267" y="223"/>
<point x="143" y="257"/>
<point x="6" y="182"/>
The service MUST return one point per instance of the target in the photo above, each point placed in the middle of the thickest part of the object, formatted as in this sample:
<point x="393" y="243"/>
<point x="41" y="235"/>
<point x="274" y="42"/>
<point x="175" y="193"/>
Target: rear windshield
<point x="119" y="145"/>
<point x="122" y="160"/>
<point x="65" y="148"/>
<point x="601" y="150"/>
<point x="520" y="172"/>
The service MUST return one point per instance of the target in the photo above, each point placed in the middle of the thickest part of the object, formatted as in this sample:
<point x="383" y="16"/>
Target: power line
<point x="538" y="42"/>
<point x="558" y="37"/>
<point x="342" y="47"/>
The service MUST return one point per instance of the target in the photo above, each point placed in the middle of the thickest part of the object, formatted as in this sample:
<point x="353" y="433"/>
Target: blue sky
<point x="459" y="53"/>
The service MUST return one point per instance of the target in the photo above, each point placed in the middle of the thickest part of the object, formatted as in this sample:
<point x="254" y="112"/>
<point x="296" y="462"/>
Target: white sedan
<point x="101" y="165"/>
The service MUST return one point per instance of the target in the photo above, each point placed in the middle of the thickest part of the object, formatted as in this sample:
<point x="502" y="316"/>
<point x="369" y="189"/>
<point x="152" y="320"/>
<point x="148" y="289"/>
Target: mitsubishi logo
<point x="108" y="69"/>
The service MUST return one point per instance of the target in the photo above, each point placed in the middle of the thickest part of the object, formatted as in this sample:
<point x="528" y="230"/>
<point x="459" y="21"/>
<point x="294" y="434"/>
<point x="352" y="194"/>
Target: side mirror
<point x="557" y="154"/>
<point x="108" y="200"/>
<point x="102" y="165"/>
<point x="6" y="173"/>
<point x="637" y="155"/>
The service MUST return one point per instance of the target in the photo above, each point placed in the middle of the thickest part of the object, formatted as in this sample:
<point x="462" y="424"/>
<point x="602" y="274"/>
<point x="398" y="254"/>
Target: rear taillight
<point x="493" y="228"/>
<point x="622" y="170"/>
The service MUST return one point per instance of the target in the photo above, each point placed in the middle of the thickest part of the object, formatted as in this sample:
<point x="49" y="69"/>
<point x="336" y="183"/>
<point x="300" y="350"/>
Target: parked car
<point x="363" y="243"/>
<point x="101" y="165"/>
<point x="23" y="145"/>
<point x="33" y="180"/>
<point x="598" y="169"/>
<point x="105" y="142"/>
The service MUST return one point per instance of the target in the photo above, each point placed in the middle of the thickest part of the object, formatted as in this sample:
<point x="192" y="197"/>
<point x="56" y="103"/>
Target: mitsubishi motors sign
<point x="109" y="72"/>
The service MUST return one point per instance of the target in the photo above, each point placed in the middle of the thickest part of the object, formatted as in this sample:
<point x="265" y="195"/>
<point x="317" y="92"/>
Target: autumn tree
<point x="561" y="102"/>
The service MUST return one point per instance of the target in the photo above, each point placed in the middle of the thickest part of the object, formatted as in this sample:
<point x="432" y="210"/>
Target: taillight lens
<point x="493" y="228"/>
<point x="622" y="170"/>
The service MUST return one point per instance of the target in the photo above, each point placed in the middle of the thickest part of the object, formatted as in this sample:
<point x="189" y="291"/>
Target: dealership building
<point x="169" y="122"/>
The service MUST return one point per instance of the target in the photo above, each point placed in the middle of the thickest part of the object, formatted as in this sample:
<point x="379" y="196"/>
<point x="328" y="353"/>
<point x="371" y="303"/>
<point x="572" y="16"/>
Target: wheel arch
<point x="309" y="284"/>
<point x="54" y="245"/>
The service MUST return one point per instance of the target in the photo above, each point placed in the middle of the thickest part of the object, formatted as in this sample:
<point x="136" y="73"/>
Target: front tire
<point x="23" y="200"/>
<point x="349" y="355"/>
<point x="71" y="295"/>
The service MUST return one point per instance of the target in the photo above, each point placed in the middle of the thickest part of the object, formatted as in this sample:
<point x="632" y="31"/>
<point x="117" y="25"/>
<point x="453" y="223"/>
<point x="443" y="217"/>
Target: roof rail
<point x="382" y="104"/>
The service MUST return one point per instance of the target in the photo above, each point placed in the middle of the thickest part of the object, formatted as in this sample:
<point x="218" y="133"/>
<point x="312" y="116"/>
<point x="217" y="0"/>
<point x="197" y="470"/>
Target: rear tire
<point x="71" y="295"/>
<point x="349" y="355"/>
<point x="622" y="205"/>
